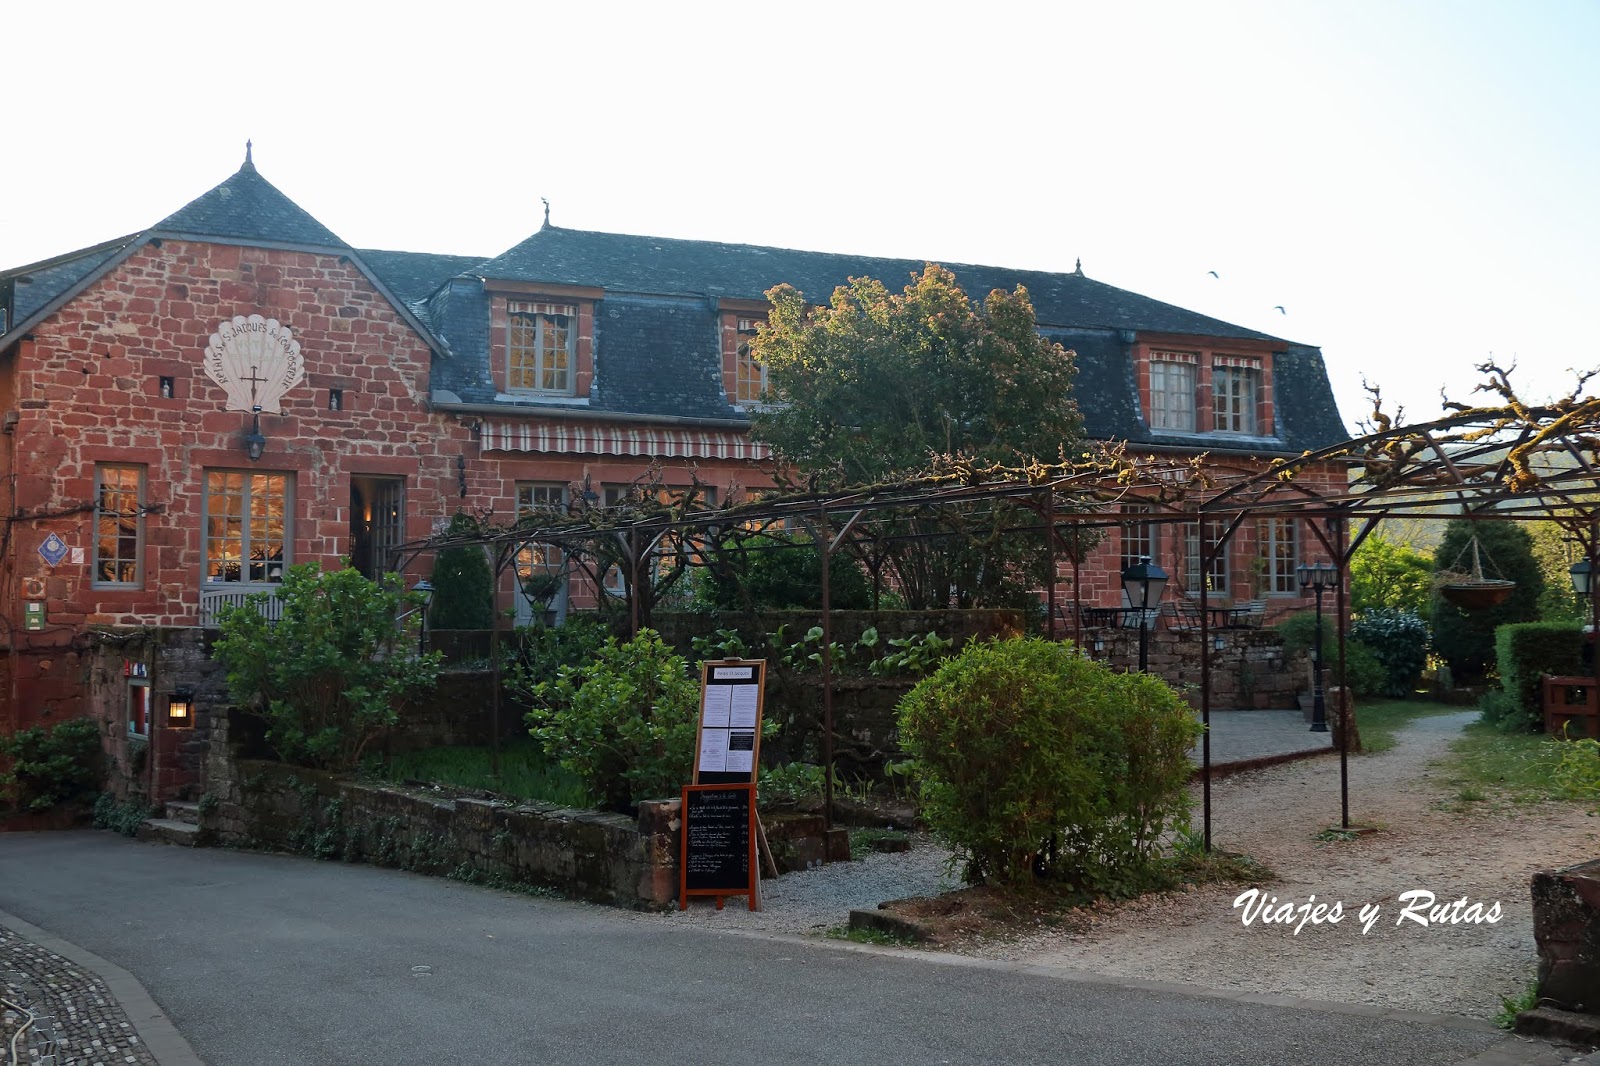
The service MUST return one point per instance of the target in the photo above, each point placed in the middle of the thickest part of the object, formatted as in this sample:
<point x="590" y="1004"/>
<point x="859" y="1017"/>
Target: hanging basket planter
<point x="1471" y="591"/>
<point x="1477" y="595"/>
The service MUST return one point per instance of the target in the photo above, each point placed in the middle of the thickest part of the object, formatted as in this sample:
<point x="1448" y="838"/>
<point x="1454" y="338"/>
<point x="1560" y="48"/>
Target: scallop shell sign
<point x="256" y="360"/>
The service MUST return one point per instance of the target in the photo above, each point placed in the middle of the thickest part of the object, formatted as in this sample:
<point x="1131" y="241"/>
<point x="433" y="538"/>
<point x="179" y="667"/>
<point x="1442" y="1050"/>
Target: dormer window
<point x="541" y="347"/>
<point x="1172" y="390"/>
<point x="1235" y="388"/>
<point x="749" y="374"/>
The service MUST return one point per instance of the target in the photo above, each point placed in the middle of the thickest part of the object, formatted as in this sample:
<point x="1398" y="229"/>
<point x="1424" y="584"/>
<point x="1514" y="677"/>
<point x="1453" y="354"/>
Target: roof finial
<point x="1077" y="269"/>
<point x="248" y="164"/>
<point x="546" y="203"/>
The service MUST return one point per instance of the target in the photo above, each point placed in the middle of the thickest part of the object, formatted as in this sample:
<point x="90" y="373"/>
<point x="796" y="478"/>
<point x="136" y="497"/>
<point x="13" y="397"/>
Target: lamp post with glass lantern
<point x="1143" y="583"/>
<point x="1583" y="583"/>
<point x="1318" y="577"/>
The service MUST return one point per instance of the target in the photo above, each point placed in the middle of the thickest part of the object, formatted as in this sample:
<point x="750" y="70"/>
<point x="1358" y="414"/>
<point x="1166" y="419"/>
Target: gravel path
<point x="1485" y="854"/>
<point x="1274" y="815"/>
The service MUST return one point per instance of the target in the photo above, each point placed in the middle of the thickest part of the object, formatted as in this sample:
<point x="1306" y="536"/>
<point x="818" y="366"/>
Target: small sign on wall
<point x="53" y="550"/>
<point x="33" y="616"/>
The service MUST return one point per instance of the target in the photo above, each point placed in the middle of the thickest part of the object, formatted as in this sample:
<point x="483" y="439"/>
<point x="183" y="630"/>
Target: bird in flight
<point x="1280" y="310"/>
<point x="1214" y="274"/>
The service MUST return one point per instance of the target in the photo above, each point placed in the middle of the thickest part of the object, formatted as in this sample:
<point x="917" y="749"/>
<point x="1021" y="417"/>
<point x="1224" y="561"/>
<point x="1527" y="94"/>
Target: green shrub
<point x="124" y="818"/>
<point x="1579" y="771"/>
<point x="537" y="653"/>
<point x="1524" y="652"/>
<point x="624" y="723"/>
<point x="791" y="785"/>
<point x="1364" y="671"/>
<point x="1399" y="641"/>
<point x="463" y="585"/>
<point x="1465" y="639"/>
<point x="50" y="766"/>
<point x="1032" y="759"/>
<point x="1390" y="576"/>
<point x="332" y="673"/>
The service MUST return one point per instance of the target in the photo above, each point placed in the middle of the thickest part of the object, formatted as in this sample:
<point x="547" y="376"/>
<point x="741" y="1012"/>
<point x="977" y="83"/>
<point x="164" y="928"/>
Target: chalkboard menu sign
<point x="719" y="843"/>
<point x="728" y="738"/>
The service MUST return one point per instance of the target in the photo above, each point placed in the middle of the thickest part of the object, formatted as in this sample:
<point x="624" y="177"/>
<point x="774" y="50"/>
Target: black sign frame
<point x="707" y="864"/>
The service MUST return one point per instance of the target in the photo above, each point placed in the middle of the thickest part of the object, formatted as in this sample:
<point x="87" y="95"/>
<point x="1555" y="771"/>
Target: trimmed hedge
<point x="1399" y="641"/>
<point x="1525" y="651"/>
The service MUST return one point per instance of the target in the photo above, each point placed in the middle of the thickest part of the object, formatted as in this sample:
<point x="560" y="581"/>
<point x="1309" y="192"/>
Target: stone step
<point x="169" y="831"/>
<point x="179" y="811"/>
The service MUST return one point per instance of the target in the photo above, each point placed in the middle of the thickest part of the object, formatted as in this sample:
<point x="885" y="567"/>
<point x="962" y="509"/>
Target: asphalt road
<point x="263" y="960"/>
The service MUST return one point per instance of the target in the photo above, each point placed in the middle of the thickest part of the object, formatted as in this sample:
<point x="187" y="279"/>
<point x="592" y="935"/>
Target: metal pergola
<point x="1507" y="462"/>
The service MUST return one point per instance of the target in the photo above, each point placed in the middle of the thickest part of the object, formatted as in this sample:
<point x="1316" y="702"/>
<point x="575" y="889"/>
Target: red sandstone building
<point x="189" y="409"/>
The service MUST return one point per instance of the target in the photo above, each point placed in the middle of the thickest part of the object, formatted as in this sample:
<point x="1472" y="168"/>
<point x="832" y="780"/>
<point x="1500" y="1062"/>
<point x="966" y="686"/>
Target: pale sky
<point x="1414" y="183"/>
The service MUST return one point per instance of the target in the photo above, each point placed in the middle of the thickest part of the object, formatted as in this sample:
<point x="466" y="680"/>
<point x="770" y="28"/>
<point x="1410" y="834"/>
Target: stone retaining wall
<point x="591" y="855"/>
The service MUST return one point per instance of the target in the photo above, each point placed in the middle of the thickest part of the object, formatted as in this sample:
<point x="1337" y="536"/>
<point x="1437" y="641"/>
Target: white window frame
<point x="272" y="569"/>
<point x="756" y="376"/>
<point x="1235" y="390"/>
<point x="102" y="515"/>
<point x="526" y="356"/>
<point x="1140" y="537"/>
<point x="1280" y="547"/>
<point x="538" y="558"/>
<point x="1219" y="573"/>
<point x="1173" y="382"/>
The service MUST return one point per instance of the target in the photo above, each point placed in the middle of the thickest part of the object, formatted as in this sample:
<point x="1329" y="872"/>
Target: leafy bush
<point x="1398" y="639"/>
<point x="1579" y="771"/>
<point x="538" y="653"/>
<point x="624" y="722"/>
<point x="463" y="585"/>
<point x="791" y="785"/>
<point x="1032" y="759"/>
<point x="124" y="818"/>
<point x="1465" y="639"/>
<point x="1524" y="652"/>
<point x="50" y="766"/>
<point x="333" y="672"/>
<point x="1364" y="671"/>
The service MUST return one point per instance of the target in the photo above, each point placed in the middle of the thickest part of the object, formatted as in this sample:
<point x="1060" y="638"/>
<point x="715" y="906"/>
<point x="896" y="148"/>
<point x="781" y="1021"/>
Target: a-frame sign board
<point x="719" y="809"/>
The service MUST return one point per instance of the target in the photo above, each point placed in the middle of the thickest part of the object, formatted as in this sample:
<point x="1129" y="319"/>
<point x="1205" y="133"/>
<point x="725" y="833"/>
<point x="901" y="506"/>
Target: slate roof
<point x="249" y="207"/>
<point x="415" y="276"/>
<point x="24" y="290"/>
<point x="623" y="263"/>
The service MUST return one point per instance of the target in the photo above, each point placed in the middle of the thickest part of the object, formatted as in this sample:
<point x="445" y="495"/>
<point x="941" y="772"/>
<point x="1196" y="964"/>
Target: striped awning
<point x="575" y="438"/>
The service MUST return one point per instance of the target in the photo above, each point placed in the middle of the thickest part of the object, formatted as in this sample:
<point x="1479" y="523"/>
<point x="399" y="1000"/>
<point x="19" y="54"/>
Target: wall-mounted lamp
<point x="1219" y="642"/>
<point x="1099" y="645"/>
<point x="254" y="442"/>
<point x="180" y="709"/>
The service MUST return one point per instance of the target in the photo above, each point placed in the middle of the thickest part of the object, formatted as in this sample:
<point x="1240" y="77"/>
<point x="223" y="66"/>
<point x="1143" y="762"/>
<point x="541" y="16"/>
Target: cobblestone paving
<point x="76" y="1022"/>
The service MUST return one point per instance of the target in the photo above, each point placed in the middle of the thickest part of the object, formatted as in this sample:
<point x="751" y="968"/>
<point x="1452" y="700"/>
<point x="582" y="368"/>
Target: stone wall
<point x="165" y="763"/>
<point x="591" y="855"/>
<point x="1250" y="671"/>
<point x="1566" y="929"/>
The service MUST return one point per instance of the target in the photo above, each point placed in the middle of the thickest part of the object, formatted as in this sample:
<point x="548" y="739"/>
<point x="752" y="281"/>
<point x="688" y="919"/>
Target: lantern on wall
<point x="180" y="709"/>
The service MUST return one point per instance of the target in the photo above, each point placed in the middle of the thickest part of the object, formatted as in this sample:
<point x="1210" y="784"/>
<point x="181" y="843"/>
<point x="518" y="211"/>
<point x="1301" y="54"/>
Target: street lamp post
<point x="1142" y="583"/>
<point x="1318" y="577"/>
<point x="1583" y="583"/>
<point x="425" y="588"/>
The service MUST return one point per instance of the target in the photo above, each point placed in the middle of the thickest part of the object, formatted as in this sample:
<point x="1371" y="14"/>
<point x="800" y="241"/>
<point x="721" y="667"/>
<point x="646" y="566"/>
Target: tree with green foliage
<point x="333" y="672"/>
<point x="1555" y="551"/>
<point x="1465" y="639"/>
<point x="1390" y="575"/>
<point x="877" y="385"/>
<point x="463" y="583"/>
<point x="1033" y="759"/>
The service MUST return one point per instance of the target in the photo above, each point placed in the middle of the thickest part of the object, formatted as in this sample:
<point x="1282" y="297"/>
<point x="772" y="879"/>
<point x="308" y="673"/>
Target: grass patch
<point x="526" y="772"/>
<point x="869" y="936"/>
<point x="1511" y="1006"/>
<point x="1380" y="721"/>
<point x="1487" y="764"/>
